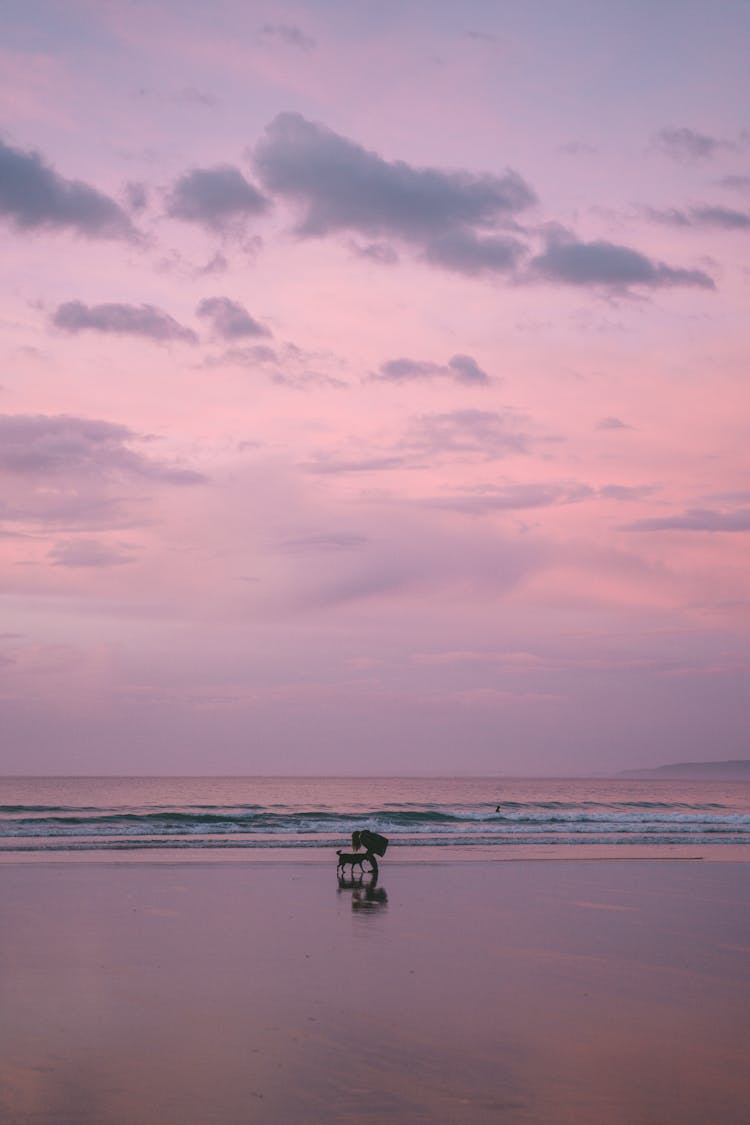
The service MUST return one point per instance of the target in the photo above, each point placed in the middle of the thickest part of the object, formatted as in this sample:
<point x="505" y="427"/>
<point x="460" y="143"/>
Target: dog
<point x="351" y="858"/>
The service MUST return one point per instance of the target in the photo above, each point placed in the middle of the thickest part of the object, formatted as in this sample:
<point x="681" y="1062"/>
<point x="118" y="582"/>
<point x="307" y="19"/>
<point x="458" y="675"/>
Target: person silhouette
<point x="372" y="843"/>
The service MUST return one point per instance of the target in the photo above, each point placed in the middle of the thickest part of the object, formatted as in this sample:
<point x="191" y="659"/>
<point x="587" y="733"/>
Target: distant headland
<point x="737" y="770"/>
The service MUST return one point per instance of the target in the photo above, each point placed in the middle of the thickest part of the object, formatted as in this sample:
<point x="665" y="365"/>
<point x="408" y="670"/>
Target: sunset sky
<point x="374" y="394"/>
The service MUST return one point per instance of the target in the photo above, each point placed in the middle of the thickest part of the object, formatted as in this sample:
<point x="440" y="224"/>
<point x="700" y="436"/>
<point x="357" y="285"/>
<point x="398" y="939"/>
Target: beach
<point x="533" y="991"/>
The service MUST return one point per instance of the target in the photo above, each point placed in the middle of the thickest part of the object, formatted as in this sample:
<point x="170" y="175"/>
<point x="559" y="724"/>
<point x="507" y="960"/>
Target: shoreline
<point x="397" y="855"/>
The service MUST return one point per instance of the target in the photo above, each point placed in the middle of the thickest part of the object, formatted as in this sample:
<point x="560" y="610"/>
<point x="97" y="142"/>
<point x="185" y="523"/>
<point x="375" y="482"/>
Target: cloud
<point x="466" y="370"/>
<point x="686" y="145"/>
<point x="515" y="497"/>
<point x="460" y="368"/>
<point x="612" y="423"/>
<point x="286" y="366"/>
<point x="328" y="465"/>
<point x="59" y="445"/>
<point x="342" y="186"/>
<point x="472" y="434"/>
<point x="487" y="433"/>
<point x="394" y="552"/>
<point x="737" y="496"/>
<point x="381" y="252"/>
<point x="724" y="217"/>
<point x="122" y="320"/>
<point x="33" y="196"/>
<point x="216" y="197"/>
<point x="696" y="519"/>
<point x="578" y="148"/>
<point x="465" y="252"/>
<point x="626" y="492"/>
<point x="69" y="473"/>
<point x="252" y="357"/>
<point x="325" y="541"/>
<point x="601" y="263"/>
<point x="405" y="370"/>
<point x="735" y="183"/>
<point x="668" y="216"/>
<point x="136" y="195"/>
<point x="87" y="553"/>
<point x="289" y="34"/>
<point x="704" y="215"/>
<point x="230" y="320"/>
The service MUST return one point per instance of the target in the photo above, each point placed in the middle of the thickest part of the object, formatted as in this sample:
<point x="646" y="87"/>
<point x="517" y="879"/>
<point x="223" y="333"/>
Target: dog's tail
<point x="338" y="851"/>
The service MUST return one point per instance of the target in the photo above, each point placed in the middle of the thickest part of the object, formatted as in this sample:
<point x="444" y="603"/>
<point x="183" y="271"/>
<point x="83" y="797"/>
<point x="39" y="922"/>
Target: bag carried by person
<point x="373" y="842"/>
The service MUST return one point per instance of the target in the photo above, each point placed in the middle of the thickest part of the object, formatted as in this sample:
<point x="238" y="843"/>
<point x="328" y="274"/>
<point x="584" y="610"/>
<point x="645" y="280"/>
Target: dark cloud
<point x="87" y="553"/>
<point x="487" y="433"/>
<point x="611" y="423"/>
<point x="344" y="187"/>
<point x="466" y="370"/>
<point x="405" y="370"/>
<point x="601" y="263"/>
<point x="33" y="195"/>
<point x="724" y="217"/>
<point x="686" y="145"/>
<point x="288" y="33"/>
<point x="705" y="215"/>
<point x="216" y="197"/>
<point x="460" y="368"/>
<point x="59" y="445"/>
<point x="696" y="519"/>
<point x="381" y="252"/>
<point x="668" y="216"/>
<point x="465" y="252"/>
<point x="515" y="497"/>
<point x="230" y="320"/>
<point x="122" y="320"/>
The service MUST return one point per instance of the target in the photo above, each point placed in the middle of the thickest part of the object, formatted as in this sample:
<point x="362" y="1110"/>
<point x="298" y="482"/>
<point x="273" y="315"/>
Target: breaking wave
<point x="208" y="825"/>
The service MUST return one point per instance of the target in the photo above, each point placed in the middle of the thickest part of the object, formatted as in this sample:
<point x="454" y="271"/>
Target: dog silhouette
<point x="352" y="858"/>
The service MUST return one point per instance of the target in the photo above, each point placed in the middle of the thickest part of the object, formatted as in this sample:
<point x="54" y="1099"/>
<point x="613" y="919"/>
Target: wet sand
<point x="616" y="991"/>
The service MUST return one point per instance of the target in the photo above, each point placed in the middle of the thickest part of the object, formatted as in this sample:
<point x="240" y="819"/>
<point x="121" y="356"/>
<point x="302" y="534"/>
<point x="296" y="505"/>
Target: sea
<point x="253" y="816"/>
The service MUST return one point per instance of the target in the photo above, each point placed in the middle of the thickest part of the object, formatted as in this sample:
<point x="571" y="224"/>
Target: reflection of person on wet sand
<point x="369" y="897"/>
<point x="366" y="894"/>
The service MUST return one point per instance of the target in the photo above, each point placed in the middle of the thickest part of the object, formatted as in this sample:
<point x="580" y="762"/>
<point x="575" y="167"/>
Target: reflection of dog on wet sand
<point x="351" y="858"/>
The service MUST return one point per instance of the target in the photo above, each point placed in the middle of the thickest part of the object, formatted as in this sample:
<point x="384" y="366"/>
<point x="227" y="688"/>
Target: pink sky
<point x="374" y="394"/>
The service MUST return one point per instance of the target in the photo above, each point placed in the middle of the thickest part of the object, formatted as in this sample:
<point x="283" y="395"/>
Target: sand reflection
<point x="367" y="895"/>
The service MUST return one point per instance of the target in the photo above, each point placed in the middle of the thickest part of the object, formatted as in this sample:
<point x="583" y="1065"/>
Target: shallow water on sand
<point x="480" y="992"/>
